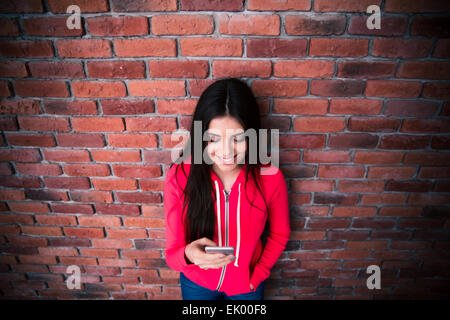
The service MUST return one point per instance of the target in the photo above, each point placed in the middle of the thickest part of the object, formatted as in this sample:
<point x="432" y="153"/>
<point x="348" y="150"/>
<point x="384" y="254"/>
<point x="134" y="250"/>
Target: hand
<point x="251" y="286"/>
<point x="195" y="252"/>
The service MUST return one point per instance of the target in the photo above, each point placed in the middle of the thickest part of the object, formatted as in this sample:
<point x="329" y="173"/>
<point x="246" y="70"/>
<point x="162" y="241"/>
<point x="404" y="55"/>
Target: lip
<point x="227" y="161"/>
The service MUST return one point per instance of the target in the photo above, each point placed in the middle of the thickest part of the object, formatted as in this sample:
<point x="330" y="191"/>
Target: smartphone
<point x="223" y="250"/>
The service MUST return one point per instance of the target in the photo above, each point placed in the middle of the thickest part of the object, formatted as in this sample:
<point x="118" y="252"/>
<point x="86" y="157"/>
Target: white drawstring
<point x="238" y="227"/>
<point x="218" y="213"/>
<point x="238" y="221"/>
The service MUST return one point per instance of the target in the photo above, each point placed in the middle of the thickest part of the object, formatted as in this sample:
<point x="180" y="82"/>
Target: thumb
<point x="207" y="242"/>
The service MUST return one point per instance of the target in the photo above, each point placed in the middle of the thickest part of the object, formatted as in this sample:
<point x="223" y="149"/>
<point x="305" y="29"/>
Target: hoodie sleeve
<point x="279" y="231"/>
<point x="175" y="242"/>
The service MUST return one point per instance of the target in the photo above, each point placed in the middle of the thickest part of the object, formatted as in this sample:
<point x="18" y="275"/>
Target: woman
<point x="220" y="198"/>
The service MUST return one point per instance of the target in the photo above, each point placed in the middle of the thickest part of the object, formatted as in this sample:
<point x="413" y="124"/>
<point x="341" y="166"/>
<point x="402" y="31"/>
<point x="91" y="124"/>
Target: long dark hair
<point x="224" y="97"/>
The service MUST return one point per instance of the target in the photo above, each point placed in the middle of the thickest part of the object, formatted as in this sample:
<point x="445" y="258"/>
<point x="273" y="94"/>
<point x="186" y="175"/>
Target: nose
<point x="228" y="148"/>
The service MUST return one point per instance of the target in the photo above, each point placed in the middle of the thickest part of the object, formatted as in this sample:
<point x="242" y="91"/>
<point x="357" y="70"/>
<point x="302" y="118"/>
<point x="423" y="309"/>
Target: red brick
<point x="326" y="156"/>
<point x="80" y="140"/>
<point x="300" y="106"/>
<point x="303" y="24"/>
<point x="114" y="184"/>
<point x="430" y="26"/>
<point x="117" y="26"/>
<point x="151" y="124"/>
<point x="152" y="185"/>
<point x="393" y="89"/>
<point x="354" y="211"/>
<point x="271" y="5"/>
<point x="60" y="6"/>
<point x="117" y="209"/>
<point x="5" y="89"/>
<point x="401" y="48"/>
<point x="21" y="106"/>
<point x="417" y="6"/>
<point x="341" y="47"/>
<point x="72" y="208"/>
<point x="385" y="198"/>
<point x="128" y="140"/>
<point x="442" y="49"/>
<point x="23" y="6"/>
<point x="43" y="124"/>
<point x="404" y="142"/>
<point x="32" y="207"/>
<point x="319" y="124"/>
<point x="436" y="90"/>
<point x="50" y="27"/>
<point x="410" y="108"/>
<point x="408" y="186"/>
<point x="428" y="199"/>
<point x="91" y="196"/>
<point x="391" y="172"/>
<point x="8" y="124"/>
<point x="138" y="197"/>
<point x="390" y="26"/>
<point x="303" y="141"/>
<point x="427" y="158"/>
<point x="249" y="24"/>
<point x="157" y="157"/>
<point x="98" y="89"/>
<point x="157" y="88"/>
<point x="116" y="69"/>
<point x="434" y="173"/>
<point x="440" y="143"/>
<point x="97" y="124"/>
<point x="67" y="183"/>
<point x="211" y="47"/>
<point x="149" y="47"/>
<point x="10" y="28"/>
<point x="426" y="125"/>
<point x="140" y="171"/>
<point x="182" y="24"/>
<point x="70" y="107"/>
<point x="39" y="169"/>
<point x="212" y="5"/>
<point x="13" y="69"/>
<point x="66" y="155"/>
<point x="178" y="69"/>
<point x="41" y="88"/>
<point x="274" y="47"/>
<point x="99" y="221"/>
<point x="366" y="69"/>
<point x="352" y="140"/>
<point x="120" y="106"/>
<point x="12" y="195"/>
<point x="84" y="232"/>
<point x="244" y="68"/>
<point x="22" y="155"/>
<point x="116" y="156"/>
<point x="337" y="88"/>
<point x="280" y="88"/>
<point x="144" y="5"/>
<point x="334" y="171"/>
<point x="424" y="70"/>
<point x="378" y="157"/>
<point x="177" y="106"/>
<point x="26" y="48"/>
<point x="303" y="68"/>
<point x="369" y="124"/>
<point x="344" y="5"/>
<point x="312" y="185"/>
<point x="355" y="106"/>
<point x="88" y="170"/>
<point x="41" y="140"/>
<point x="84" y="48"/>
<point x="335" y="198"/>
<point x="49" y="69"/>
<point x="12" y="181"/>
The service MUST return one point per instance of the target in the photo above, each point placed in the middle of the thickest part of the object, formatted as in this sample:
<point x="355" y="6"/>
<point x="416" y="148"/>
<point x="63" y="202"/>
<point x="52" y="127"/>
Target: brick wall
<point x="86" y="118"/>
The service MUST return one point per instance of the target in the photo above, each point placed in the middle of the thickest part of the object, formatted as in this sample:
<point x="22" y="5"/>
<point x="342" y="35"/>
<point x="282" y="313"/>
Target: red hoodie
<point x="238" y="224"/>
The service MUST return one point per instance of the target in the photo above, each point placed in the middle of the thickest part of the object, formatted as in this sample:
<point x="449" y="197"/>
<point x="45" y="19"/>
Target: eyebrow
<point x="236" y="134"/>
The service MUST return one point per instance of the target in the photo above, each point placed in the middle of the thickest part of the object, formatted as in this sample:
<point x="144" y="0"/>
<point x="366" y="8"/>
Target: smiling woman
<point x="224" y="203"/>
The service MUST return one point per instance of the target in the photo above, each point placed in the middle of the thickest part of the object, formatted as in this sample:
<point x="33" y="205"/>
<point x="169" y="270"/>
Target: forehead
<point x="224" y="123"/>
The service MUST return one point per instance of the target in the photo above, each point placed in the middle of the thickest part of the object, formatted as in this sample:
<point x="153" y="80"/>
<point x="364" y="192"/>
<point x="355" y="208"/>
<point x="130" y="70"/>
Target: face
<point x="226" y="143"/>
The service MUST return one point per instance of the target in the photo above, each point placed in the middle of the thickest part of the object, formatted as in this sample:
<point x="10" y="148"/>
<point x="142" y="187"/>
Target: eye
<point x="213" y="139"/>
<point x="239" y="138"/>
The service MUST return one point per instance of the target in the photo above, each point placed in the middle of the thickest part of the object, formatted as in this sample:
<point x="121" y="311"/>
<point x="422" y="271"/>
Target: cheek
<point x="241" y="148"/>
